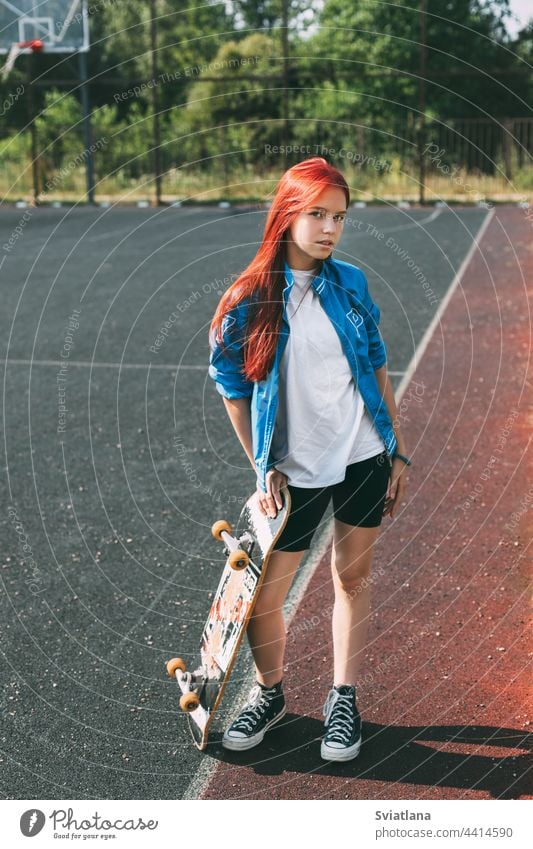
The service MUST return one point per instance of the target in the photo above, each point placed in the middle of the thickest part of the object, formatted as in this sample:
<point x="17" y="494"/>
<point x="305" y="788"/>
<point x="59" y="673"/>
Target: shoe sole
<point x="349" y="754"/>
<point x="244" y="743"/>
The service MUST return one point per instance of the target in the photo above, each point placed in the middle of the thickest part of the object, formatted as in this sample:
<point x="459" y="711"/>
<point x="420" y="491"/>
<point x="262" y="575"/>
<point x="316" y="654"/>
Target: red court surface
<point x="446" y="678"/>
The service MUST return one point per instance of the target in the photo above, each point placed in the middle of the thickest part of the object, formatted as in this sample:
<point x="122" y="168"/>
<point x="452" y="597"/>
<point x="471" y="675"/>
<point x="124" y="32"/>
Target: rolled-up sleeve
<point x="226" y="363"/>
<point x="377" y="351"/>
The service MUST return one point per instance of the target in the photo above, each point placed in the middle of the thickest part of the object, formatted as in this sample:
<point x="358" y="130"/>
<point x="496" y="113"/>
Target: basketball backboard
<point x="62" y="25"/>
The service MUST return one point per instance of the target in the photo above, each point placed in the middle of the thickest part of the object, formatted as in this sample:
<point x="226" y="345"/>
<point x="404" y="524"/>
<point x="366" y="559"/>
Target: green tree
<point x="378" y="45"/>
<point x="374" y="49"/>
<point x="267" y="15"/>
<point x="121" y="48"/>
<point x="247" y="111"/>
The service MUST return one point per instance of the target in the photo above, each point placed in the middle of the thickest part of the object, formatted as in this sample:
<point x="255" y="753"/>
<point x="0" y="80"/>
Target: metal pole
<point x="87" y="133"/>
<point x="155" y="102"/>
<point x="36" y="188"/>
<point x="422" y="103"/>
<point x="507" y="129"/>
<point x="285" y="50"/>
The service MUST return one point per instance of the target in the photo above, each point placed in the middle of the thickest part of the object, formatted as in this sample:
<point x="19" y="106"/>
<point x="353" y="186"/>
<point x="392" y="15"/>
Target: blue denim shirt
<point x="343" y="292"/>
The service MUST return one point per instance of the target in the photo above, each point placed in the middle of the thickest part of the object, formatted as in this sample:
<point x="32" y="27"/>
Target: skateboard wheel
<point x="189" y="702"/>
<point x="220" y="526"/>
<point x="176" y="663"/>
<point x="238" y="559"/>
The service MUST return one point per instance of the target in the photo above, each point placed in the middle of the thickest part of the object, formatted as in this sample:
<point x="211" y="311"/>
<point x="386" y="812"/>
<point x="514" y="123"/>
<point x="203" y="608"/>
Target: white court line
<point x="95" y="364"/>
<point x="111" y="234"/>
<point x="412" y="224"/>
<point x="114" y="233"/>
<point x="424" y="342"/>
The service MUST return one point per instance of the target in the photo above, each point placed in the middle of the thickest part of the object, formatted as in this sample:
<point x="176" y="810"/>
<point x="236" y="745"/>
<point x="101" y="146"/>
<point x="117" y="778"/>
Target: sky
<point x="523" y="9"/>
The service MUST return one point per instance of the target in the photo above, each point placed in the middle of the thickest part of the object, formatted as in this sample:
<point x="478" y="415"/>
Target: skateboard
<point x="248" y="551"/>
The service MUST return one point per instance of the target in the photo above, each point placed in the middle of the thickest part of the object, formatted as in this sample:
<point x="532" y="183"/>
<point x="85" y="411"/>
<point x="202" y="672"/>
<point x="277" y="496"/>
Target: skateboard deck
<point x="248" y="551"/>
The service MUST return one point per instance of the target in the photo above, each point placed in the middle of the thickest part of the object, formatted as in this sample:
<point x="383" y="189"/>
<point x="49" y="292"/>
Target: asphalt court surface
<point x="116" y="509"/>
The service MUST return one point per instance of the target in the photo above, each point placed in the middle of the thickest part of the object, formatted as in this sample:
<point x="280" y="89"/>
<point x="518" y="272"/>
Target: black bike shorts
<point x="358" y="500"/>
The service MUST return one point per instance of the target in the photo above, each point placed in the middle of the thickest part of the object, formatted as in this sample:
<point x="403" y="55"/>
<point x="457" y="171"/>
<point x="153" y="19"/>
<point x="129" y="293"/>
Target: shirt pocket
<point x="357" y="333"/>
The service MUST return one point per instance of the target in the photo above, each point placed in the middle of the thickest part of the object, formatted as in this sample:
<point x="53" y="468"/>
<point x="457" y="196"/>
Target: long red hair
<point x="263" y="279"/>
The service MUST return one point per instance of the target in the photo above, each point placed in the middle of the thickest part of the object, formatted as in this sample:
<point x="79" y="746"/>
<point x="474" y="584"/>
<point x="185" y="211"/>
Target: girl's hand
<point x="396" y="488"/>
<point x="270" y="501"/>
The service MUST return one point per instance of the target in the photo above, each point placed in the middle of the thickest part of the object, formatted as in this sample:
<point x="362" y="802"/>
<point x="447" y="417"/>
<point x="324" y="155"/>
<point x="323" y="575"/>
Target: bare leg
<point x="351" y="561"/>
<point x="266" y="629"/>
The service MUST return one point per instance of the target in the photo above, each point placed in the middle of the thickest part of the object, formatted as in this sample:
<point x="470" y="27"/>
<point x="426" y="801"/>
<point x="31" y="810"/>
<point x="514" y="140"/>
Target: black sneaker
<point x="265" y="707"/>
<point x="342" y="740"/>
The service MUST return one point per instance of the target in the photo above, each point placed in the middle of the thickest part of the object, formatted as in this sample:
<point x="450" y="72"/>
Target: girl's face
<point x="314" y="234"/>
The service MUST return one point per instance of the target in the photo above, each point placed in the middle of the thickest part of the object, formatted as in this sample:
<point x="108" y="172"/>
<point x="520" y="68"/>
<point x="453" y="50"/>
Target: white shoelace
<point x="339" y="727"/>
<point x="253" y="712"/>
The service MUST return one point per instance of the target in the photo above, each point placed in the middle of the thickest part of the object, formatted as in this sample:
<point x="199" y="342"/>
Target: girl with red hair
<point x="297" y="355"/>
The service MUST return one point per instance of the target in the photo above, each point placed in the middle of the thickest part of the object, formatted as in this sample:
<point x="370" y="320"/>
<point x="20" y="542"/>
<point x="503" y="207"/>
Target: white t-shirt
<point x="322" y="425"/>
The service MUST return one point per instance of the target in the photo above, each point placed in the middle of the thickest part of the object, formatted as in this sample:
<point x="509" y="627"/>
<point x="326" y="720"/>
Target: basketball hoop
<point x="35" y="45"/>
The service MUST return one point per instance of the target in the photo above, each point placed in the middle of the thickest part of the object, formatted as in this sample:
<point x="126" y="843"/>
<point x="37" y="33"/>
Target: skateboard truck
<point x="245" y="542"/>
<point x="239" y="550"/>
<point x="190" y="700"/>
